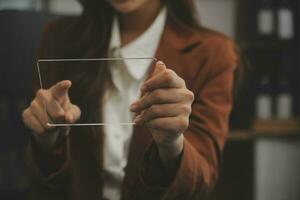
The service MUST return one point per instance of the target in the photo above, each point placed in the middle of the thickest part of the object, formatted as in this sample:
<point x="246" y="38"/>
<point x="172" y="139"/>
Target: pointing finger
<point x="60" y="90"/>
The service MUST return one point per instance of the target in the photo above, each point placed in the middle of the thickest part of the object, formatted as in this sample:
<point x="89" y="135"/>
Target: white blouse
<point x="127" y="77"/>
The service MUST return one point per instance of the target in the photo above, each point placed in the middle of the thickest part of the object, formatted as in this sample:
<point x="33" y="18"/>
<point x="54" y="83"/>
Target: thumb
<point x="160" y="66"/>
<point x="60" y="90"/>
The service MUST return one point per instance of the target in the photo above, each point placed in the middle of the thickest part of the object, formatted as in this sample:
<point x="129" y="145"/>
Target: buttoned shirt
<point x="127" y="77"/>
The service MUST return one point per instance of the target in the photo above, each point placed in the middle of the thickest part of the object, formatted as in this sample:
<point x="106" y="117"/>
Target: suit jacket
<point x="206" y="60"/>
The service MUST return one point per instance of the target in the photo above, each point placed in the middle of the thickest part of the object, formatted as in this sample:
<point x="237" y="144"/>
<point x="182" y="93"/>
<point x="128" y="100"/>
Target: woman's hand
<point x="59" y="110"/>
<point x="165" y="108"/>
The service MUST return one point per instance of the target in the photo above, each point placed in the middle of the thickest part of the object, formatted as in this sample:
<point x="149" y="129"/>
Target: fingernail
<point x="133" y="106"/>
<point x="137" y="119"/>
<point x="63" y="84"/>
<point x="160" y="62"/>
<point x="66" y="83"/>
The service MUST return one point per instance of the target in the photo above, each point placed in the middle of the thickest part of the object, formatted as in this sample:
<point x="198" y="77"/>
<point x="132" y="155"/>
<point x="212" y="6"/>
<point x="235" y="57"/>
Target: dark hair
<point x="183" y="10"/>
<point x="99" y="13"/>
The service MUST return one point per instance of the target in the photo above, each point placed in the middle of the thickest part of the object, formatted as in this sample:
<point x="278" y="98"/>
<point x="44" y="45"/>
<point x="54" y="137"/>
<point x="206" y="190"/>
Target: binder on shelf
<point x="285" y="15"/>
<point x="266" y="18"/>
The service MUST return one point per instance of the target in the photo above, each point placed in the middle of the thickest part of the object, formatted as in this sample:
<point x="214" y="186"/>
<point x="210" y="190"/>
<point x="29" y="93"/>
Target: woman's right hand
<point x="59" y="110"/>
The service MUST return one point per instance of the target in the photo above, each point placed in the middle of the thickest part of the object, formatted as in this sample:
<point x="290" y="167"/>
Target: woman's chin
<point x="125" y="7"/>
<point x="125" y="10"/>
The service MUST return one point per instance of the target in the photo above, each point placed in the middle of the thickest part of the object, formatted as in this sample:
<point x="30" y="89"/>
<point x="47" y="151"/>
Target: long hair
<point x="98" y="16"/>
<point x="93" y="31"/>
<point x="183" y="10"/>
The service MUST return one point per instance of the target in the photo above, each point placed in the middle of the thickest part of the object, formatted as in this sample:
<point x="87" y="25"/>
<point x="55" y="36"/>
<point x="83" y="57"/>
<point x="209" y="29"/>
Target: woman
<point x="182" y="114"/>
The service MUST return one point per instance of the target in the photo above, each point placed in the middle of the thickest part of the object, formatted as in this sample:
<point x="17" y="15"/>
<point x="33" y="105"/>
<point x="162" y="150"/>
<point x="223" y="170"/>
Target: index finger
<point x="60" y="90"/>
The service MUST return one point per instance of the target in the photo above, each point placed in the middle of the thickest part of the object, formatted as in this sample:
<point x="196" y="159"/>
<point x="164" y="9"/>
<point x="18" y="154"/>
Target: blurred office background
<point x="262" y="155"/>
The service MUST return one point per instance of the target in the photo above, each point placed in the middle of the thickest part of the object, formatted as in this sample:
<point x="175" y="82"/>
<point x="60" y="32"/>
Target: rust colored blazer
<point x="206" y="60"/>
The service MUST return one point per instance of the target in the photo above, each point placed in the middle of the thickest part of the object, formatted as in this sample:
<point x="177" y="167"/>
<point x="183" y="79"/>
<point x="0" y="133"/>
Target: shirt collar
<point x="143" y="46"/>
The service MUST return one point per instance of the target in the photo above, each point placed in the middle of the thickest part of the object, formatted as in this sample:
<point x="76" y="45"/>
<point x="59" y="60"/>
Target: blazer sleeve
<point x="204" y="139"/>
<point x="47" y="173"/>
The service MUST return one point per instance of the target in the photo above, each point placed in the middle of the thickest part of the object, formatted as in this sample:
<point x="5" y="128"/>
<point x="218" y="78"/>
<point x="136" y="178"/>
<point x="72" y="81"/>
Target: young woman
<point x="181" y="113"/>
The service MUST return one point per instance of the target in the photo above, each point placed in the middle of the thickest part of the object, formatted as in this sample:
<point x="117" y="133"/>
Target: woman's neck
<point x="134" y="24"/>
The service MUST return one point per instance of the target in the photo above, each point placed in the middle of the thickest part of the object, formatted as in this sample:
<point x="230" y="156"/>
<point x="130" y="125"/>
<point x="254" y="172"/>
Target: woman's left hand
<point x="165" y="108"/>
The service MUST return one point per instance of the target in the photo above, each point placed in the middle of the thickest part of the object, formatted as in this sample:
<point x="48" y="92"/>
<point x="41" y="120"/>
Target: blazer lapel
<point x="177" y="49"/>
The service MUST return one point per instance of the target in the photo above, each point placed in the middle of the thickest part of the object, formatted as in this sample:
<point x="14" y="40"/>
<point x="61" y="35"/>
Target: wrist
<point x="170" y="154"/>
<point x="45" y="142"/>
<point x="174" y="145"/>
<point x="48" y="141"/>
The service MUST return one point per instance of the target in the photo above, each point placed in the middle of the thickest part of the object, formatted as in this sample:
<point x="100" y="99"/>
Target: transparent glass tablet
<point x="92" y="79"/>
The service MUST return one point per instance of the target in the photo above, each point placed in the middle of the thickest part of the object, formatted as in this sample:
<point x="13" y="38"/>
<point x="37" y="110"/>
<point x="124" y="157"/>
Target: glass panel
<point x="89" y="79"/>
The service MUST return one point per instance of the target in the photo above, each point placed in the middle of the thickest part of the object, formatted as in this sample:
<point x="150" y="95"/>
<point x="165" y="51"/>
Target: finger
<point x="39" y="112"/>
<point x="161" y="96"/>
<point x="164" y="79"/>
<point x="60" y="90"/>
<point x="169" y="124"/>
<point x="138" y="117"/>
<point x="163" y="111"/>
<point x="50" y="105"/>
<point x="72" y="114"/>
<point x="32" y="122"/>
<point x="159" y="66"/>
